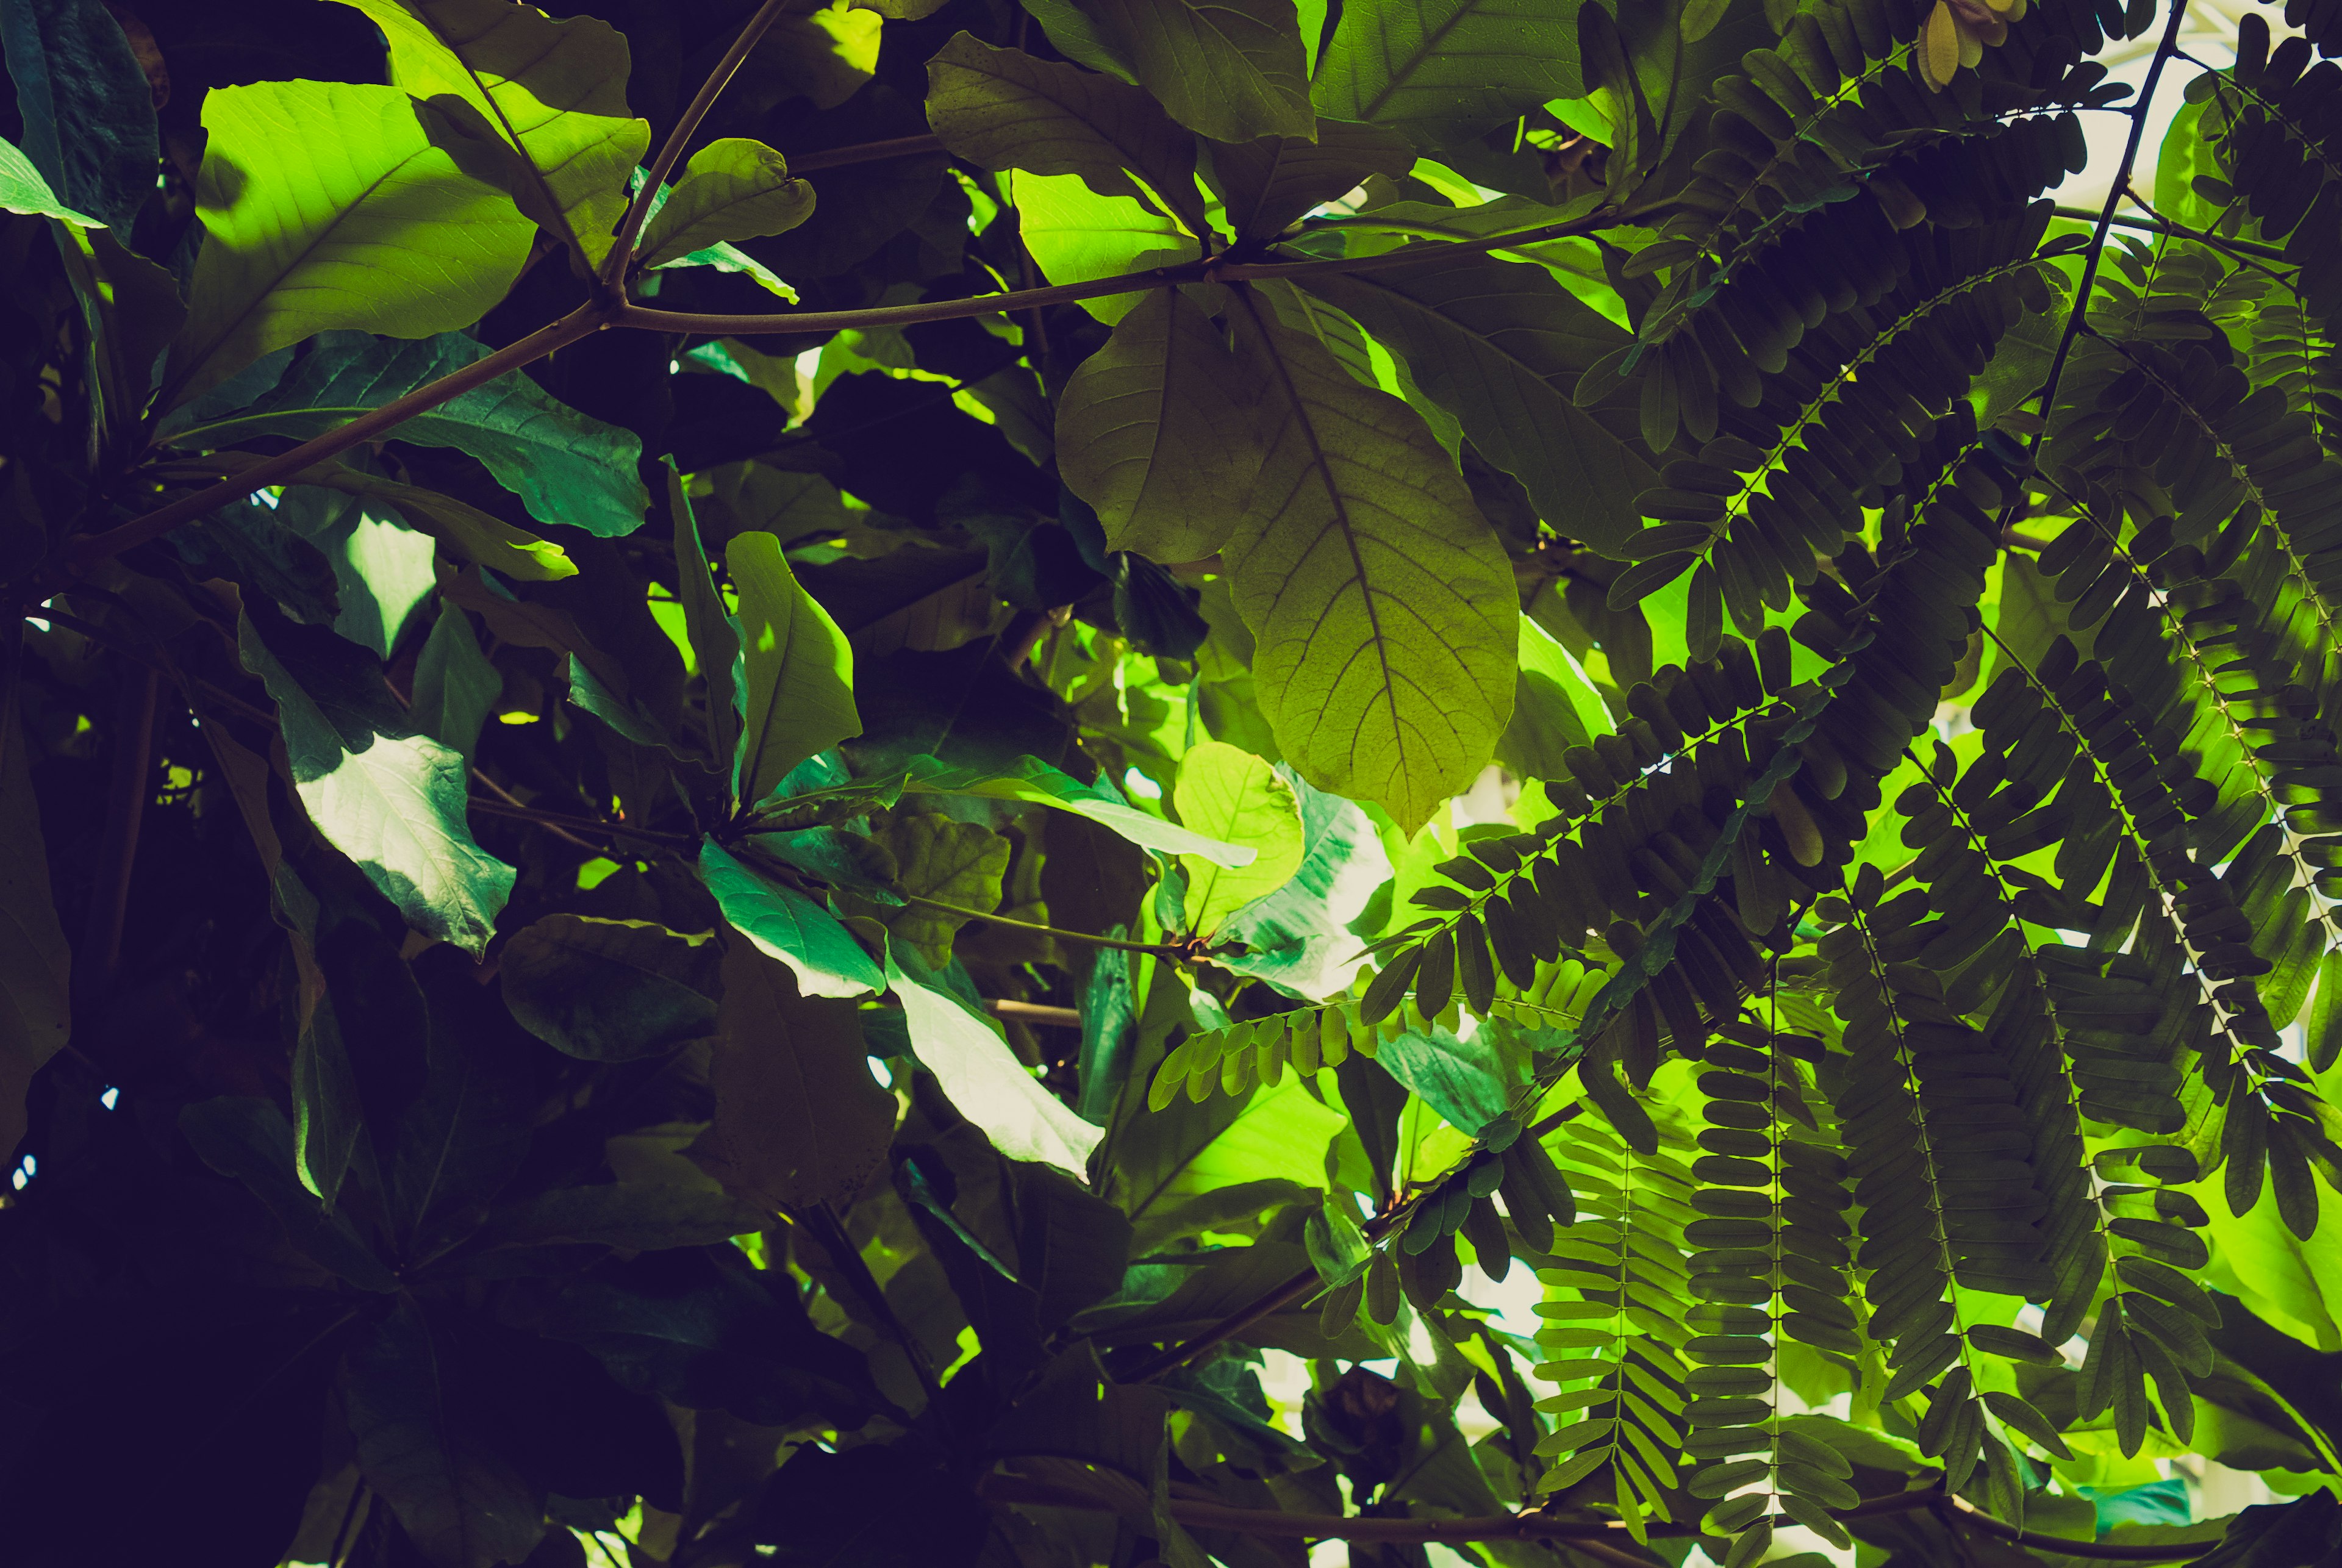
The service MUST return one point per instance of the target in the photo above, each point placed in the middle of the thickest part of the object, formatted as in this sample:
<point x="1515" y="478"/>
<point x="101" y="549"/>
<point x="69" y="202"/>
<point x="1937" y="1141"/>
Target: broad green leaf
<point x="983" y="1078"/>
<point x="36" y="963"/>
<point x="1297" y="938"/>
<point x="251" y="1140"/>
<point x="553" y="91"/>
<point x="736" y="188"/>
<point x="456" y="685"/>
<point x="467" y="532"/>
<point x="1270" y="182"/>
<point x="1468" y="1082"/>
<point x="1233" y="796"/>
<point x="1155" y="431"/>
<point x="22" y="190"/>
<point x="86" y="105"/>
<point x="1076" y="235"/>
<point x="954" y="863"/>
<point x="1232" y="69"/>
<point x="1004" y="109"/>
<point x="324" y="206"/>
<point x="609" y="990"/>
<point x="565" y="467"/>
<point x="130" y="305"/>
<point x="790" y="926"/>
<point x="799" y="1120"/>
<point x="1501" y="345"/>
<point x="823" y="54"/>
<point x="1442" y="70"/>
<point x="725" y="256"/>
<point x="459" y="1498"/>
<point x="1553" y="707"/>
<point x="797" y="665"/>
<point x="1382" y="608"/>
<point x="390" y="799"/>
<point x="1035" y="782"/>
<point x="1280" y="1138"/>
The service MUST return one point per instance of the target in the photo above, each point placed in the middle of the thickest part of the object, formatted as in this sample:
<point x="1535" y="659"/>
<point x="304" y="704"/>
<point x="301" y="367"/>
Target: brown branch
<point x="1033" y="1013"/>
<point x="1154" y="949"/>
<point x="866" y="153"/>
<point x="613" y="266"/>
<point x="555" y="819"/>
<point x="84" y="554"/>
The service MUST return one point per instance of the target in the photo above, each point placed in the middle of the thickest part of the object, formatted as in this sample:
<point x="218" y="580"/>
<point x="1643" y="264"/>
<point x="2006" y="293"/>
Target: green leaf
<point x="1443" y="70"/>
<point x="982" y="1077"/>
<point x="22" y="190"/>
<point x="735" y="188"/>
<point x="1551" y="705"/>
<point x="799" y="1120"/>
<point x="1155" y="431"/>
<point x="1232" y="69"/>
<point x="1233" y="796"/>
<point x="36" y="963"/>
<point x="467" y="532"/>
<point x="1298" y="937"/>
<point x="87" y="107"/>
<point x="609" y="990"/>
<point x="1035" y="782"/>
<point x="251" y="1140"/>
<point x="786" y="924"/>
<point x="1002" y="109"/>
<point x="1381" y="605"/>
<point x="714" y="640"/>
<point x="1270" y="182"/>
<point x="954" y="863"/>
<point x="456" y="685"/>
<point x="1076" y="235"/>
<point x="461" y="1501"/>
<point x="390" y="799"/>
<point x="324" y="206"/>
<point x="797" y="665"/>
<point x="1501" y="345"/>
<point x="565" y="467"/>
<point x="1468" y="1082"/>
<point x="553" y="92"/>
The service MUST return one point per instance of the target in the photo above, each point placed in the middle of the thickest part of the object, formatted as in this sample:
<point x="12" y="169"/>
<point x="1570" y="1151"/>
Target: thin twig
<point x="613" y="266"/>
<point x="2097" y="247"/>
<point x="2159" y="223"/>
<point x="563" y="819"/>
<point x="866" y="153"/>
<point x="1033" y="1013"/>
<point x="1154" y="949"/>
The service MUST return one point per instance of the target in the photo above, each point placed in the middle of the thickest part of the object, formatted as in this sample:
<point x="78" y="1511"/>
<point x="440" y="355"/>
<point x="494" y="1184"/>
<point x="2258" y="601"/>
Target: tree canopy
<point x="910" y="781"/>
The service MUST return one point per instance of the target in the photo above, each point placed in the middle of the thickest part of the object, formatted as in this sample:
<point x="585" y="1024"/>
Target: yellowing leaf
<point x="324" y="206"/>
<point x="1381" y="605"/>
<point x="799" y="668"/>
<point x="1156" y="431"/>
<point x="733" y="189"/>
<point x="553" y="91"/>
<point x="1232" y="794"/>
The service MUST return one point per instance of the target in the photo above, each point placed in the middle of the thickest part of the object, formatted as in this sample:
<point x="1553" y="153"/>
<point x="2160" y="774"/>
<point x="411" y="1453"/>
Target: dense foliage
<point x="903" y="781"/>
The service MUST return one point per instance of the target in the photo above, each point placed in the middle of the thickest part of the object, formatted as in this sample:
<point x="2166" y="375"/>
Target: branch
<point x="2155" y="223"/>
<point x="559" y="819"/>
<point x="867" y="153"/>
<point x="81" y="555"/>
<point x="1034" y="1012"/>
<point x="1153" y="949"/>
<point x="622" y="246"/>
<point x="2097" y="250"/>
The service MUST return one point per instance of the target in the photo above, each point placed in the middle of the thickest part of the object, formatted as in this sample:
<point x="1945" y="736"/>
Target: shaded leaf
<point x="1270" y="182"/>
<point x="983" y="1078"/>
<point x="733" y="188"/>
<point x="1441" y="70"/>
<point x="36" y="963"/>
<point x="797" y="666"/>
<point x="609" y="990"/>
<point x="87" y="110"/>
<point x="251" y="1140"/>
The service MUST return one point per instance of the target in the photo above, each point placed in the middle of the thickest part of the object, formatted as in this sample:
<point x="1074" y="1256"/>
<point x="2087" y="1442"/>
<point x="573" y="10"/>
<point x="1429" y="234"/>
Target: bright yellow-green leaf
<point x="799" y="668"/>
<point x="1382" y="606"/>
<point x="1076" y="234"/>
<point x="323" y="205"/>
<point x="982" y="1077"/>
<point x="733" y="189"/>
<point x="1156" y="431"/>
<point x="553" y="91"/>
<point x="1232" y="794"/>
